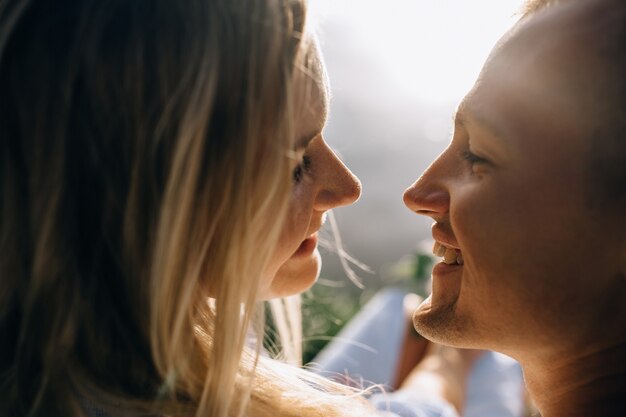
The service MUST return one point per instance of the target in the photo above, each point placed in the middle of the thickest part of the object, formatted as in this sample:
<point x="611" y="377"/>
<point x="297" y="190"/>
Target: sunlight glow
<point x="433" y="48"/>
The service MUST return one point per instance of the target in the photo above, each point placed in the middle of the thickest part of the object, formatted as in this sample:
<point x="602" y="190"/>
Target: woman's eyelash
<point x="472" y="158"/>
<point x="302" y="167"/>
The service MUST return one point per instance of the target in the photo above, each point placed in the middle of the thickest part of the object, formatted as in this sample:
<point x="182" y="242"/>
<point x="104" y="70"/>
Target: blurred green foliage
<point x="325" y="310"/>
<point x="329" y="305"/>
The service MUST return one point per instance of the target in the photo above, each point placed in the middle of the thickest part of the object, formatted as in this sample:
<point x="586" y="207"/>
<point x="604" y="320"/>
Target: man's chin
<point x="439" y="322"/>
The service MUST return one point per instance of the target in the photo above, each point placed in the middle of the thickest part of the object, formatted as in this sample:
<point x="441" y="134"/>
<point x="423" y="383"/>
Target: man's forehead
<point x="538" y="80"/>
<point x="542" y="61"/>
<point x="567" y="33"/>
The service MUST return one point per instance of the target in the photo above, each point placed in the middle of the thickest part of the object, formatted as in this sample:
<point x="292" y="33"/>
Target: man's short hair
<point x="607" y="146"/>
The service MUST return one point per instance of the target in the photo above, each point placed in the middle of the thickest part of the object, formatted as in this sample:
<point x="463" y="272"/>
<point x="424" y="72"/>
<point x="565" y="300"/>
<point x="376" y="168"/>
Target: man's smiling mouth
<point x="450" y="256"/>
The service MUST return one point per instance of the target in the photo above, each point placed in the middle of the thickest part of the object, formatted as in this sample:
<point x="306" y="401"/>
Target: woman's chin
<point x="295" y="276"/>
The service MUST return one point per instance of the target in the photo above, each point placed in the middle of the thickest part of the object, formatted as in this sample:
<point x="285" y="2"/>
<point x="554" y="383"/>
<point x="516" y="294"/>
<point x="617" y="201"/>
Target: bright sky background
<point x="434" y="48"/>
<point x="398" y="69"/>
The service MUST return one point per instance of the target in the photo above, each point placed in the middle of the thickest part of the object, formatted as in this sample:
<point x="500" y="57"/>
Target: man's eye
<point x="302" y="168"/>
<point x="472" y="158"/>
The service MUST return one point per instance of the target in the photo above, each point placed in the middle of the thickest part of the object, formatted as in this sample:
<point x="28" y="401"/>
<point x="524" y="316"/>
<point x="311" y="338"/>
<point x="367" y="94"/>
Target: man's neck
<point x="592" y="384"/>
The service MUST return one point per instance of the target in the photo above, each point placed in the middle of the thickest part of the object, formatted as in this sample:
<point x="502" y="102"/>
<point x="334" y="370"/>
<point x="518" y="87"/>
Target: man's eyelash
<point x="472" y="158"/>
<point x="302" y="167"/>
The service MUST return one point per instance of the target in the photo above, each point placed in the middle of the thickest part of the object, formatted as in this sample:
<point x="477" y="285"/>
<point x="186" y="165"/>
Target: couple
<point x="164" y="171"/>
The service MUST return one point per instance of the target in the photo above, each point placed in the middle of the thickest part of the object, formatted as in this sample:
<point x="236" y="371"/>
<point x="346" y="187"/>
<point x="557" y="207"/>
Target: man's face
<point x="530" y="265"/>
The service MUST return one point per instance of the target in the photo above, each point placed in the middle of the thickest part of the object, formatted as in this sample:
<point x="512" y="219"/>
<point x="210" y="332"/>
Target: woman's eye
<point x="302" y="168"/>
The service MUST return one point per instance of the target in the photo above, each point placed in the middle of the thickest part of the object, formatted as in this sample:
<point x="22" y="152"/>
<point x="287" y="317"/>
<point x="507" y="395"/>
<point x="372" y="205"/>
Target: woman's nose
<point x="429" y="195"/>
<point x="339" y="186"/>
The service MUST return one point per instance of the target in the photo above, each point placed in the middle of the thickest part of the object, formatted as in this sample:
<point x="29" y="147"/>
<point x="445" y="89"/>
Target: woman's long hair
<point x="144" y="166"/>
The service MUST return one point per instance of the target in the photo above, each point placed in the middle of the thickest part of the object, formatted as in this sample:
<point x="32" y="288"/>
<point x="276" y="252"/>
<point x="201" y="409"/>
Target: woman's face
<point x="320" y="182"/>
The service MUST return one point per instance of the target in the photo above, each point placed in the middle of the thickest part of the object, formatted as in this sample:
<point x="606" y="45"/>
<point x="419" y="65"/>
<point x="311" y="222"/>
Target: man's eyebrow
<point x="460" y="116"/>
<point x="466" y="116"/>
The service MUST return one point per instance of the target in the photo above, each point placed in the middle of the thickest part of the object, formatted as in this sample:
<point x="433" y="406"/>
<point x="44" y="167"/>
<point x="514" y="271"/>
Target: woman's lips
<point x="307" y="246"/>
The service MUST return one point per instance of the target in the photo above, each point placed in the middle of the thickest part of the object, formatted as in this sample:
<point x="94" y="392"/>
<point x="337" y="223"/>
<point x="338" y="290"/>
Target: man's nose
<point x="429" y="195"/>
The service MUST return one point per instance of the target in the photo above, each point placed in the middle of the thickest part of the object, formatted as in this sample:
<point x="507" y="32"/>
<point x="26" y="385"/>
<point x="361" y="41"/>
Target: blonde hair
<point x="143" y="166"/>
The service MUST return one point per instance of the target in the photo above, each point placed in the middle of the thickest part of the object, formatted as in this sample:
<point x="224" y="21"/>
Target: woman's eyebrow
<point x="304" y="140"/>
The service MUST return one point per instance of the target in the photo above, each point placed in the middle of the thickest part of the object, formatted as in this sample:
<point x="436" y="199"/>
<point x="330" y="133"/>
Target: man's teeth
<point x="450" y="256"/>
<point x="439" y="249"/>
